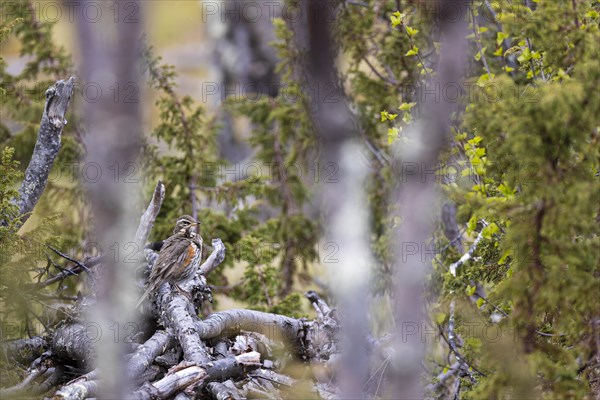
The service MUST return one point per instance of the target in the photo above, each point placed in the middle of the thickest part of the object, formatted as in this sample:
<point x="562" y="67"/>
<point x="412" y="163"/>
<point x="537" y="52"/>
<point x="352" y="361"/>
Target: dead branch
<point x="144" y="356"/>
<point x="138" y="363"/>
<point x="443" y="377"/>
<point x="46" y="147"/>
<point x="177" y="313"/>
<point x="149" y="216"/>
<point x="38" y="382"/>
<point x="319" y="305"/>
<point x="231" y="322"/>
<point x="216" y="258"/>
<point x="78" y="390"/>
<point x="78" y="268"/>
<point x="223" y="391"/>
<point x="186" y="376"/>
<point x="272" y="376"/>
<point x="74" y="342"/>
<point x="146" y="222"/>
<point x="23" y="351"/>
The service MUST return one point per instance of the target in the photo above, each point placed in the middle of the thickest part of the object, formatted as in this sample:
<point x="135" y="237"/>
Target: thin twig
<point x="66" y="257"/>
<point x="390" y="81"/>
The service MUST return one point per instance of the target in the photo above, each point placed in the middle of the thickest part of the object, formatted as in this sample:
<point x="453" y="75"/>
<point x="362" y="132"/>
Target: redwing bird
<point x="179" y="257"/>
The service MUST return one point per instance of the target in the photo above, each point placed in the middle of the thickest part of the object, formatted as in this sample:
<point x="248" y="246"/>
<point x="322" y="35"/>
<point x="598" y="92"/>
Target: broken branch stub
<point x="46" y="147"/>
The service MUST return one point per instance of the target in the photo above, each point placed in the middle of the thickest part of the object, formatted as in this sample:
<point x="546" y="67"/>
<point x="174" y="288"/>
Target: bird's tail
<point x="146" y="293"/>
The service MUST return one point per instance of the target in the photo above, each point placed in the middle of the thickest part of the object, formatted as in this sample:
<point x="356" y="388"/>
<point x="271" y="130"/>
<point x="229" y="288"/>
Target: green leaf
<point x="470" y="290"/>
<point x="475" y="140"/>
<point x="406" y="106"/>
<point x="505" y="190"/>
<point x="592" y="14"/>
<point x="396" y="18"/>
<point x="502" y="259"/>
<point x="481" y="81"/>
<point x="489" y="230"/>
<point x="525" y="56"/>
<point x="411" y="31"/>
<point x="500" y="36"/>
<point x="412" y="52"/>
<point x="386" y="116"/>
<point x="480" y="302"/>
<point x="392" y="134"/>
<point x="460" y="136"/>
<point x="480" y="54"/>
<point x="472" y="224"/>
<point x="440" y="318"/>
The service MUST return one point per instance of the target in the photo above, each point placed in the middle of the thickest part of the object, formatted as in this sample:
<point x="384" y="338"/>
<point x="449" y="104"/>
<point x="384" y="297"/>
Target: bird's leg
<point x="183" y="292"/>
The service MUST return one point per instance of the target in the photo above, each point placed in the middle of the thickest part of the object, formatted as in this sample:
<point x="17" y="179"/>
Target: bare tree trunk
<point x="415" y="166"/>
<point x="110" y="51"/>
<point x="243" y="59"/>
<point x="343" y="202"/>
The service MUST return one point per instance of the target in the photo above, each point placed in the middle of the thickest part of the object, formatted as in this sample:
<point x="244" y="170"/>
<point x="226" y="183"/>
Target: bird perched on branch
<point x="179" y="257"/>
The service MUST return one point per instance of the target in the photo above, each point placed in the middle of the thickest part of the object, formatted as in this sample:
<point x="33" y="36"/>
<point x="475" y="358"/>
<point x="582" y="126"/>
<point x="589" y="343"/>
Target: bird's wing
<point x="172" y="253"/>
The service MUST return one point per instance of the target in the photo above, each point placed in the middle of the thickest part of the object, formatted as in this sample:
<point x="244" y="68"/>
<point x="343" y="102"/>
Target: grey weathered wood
<point x="216" y="258"/>
<point x="343" y="203"/>
<point x="415" y="193"/>
<point x="178" y="314"/>
<point x="144" y="356"/>
<point x="46" y="147"/>
<point x="149" y="216"/>
<point x="230" y="323"/>
<point x="23" y="351"/>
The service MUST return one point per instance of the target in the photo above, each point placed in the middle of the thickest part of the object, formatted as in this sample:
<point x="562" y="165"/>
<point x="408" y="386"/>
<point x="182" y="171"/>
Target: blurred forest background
<point x="512" y="293"/>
